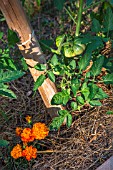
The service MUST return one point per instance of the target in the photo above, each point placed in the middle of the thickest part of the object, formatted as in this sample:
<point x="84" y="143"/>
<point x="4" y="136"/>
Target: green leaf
<point x="40" y="67"/>
<point x="7" y="93"/>
<point x="38" y="2"/>
<point x="100" y="94"/>
<point x="75" y="85"/>
<point x="74" y="105"/>
<point x="108" y="79"/>
<point x="59" y="4"/>
<point x="12" y="38"/>
<point x="60" y="98"/>
<point x="68" y="120"/>
<point x="96" y="27"/>
<point x="109" y="112"/>
<point x="80" y="99"/>
<point x="39" y="82"/>
<point x="57" y="122"/>
<point x="84" y="61"/>
<point x="1" y="35"/>
<point x="72" y="64"/>
<point x="51" y="76"/>
<point x="60" y="40"/>
<point x="85" y="90"/>
<point x="93" y="88"/>
<point x="54" y="60"/>
<point x="4" y="143"/>
<point x="97" y="66"/>
<point x="108" y="20"/>
<point x="95" y="43"/>
<point x="8" y="76"/>
<point x="63" y="112"/>
<point x="95" y="103"/>
<point x="89" y="2"/>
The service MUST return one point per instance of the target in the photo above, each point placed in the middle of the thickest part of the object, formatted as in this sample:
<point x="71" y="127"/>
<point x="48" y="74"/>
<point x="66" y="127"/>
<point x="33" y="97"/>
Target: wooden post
<point x="29" y="46"/>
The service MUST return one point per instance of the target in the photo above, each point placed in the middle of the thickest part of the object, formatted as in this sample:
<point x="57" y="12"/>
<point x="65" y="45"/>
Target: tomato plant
<point x="70" y="61"/>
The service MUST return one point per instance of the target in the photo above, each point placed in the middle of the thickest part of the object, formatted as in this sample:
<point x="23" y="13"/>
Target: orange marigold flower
<point x="16" y="151"/>
<point x="28" y="119"/>
<point x="19" y="131"/>
<point x="40" y="131"/>
<point x="26" y="135"/>
<point x="29" y="153"/>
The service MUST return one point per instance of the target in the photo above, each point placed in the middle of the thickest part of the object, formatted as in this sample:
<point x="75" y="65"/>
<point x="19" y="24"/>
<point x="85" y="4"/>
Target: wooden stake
<point x="29" y="46"/>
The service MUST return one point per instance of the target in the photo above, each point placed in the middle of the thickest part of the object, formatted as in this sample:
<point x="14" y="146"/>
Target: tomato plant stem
<point x="79" y="17"/>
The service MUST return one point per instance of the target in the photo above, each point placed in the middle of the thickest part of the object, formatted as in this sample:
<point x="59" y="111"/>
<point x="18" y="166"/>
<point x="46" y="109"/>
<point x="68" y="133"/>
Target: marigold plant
<point x="40" y="131"/>
<point x="29" y="152"/>
<point x="16" y="151"/>
<point x="26" y="135"/>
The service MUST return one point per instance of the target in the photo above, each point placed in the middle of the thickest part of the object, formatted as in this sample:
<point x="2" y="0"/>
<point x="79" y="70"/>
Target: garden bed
<point x="83" y="146"/>
<point x="86" y="145"/>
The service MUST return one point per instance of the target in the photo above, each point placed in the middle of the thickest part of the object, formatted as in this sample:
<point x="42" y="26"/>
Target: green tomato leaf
<point x="108" y="20"/>
<point x="40" y="67"/>
<point x="72" y="64"/>
<point x="93" y="88"/>
<point x="51" y="76"/>
<point x="56" y="122"/>
<point x="39" y="82"/>
<point x="80" y="99"/>
<point x="12" y="38"/>
<point x="63" y="112"/>
<point x="94" y="44"/>
<point x="95" y="103"/>
<point x="54" y="60"/>
<point x="108" y="79"/>
<point x="85" y="90"/>
<point x="96" y="27"/>
<point x="68" y="120"/>
<point x="97" y="66"/>
<point x="75" y="85"/>
<point x="109" y="112"/>
<point x="74" y="105"/>
<point x="84" y="61"/>
<point x="100" y="94"/>
<point x="60" y="98"/>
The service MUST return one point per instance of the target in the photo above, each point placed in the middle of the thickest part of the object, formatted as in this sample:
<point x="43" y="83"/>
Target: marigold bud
<point x="28" y="119"/>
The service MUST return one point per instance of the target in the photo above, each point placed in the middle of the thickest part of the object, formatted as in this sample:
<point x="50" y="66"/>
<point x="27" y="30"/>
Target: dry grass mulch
<point x="84" y="146"/>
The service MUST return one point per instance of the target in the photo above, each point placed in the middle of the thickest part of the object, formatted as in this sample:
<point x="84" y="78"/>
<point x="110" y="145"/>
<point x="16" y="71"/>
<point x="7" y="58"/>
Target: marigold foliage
<point x="40" y="131"/>
<point x="26" y="135"/>
<point x="16" y="151"/>
<point x="29" y="153"/>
